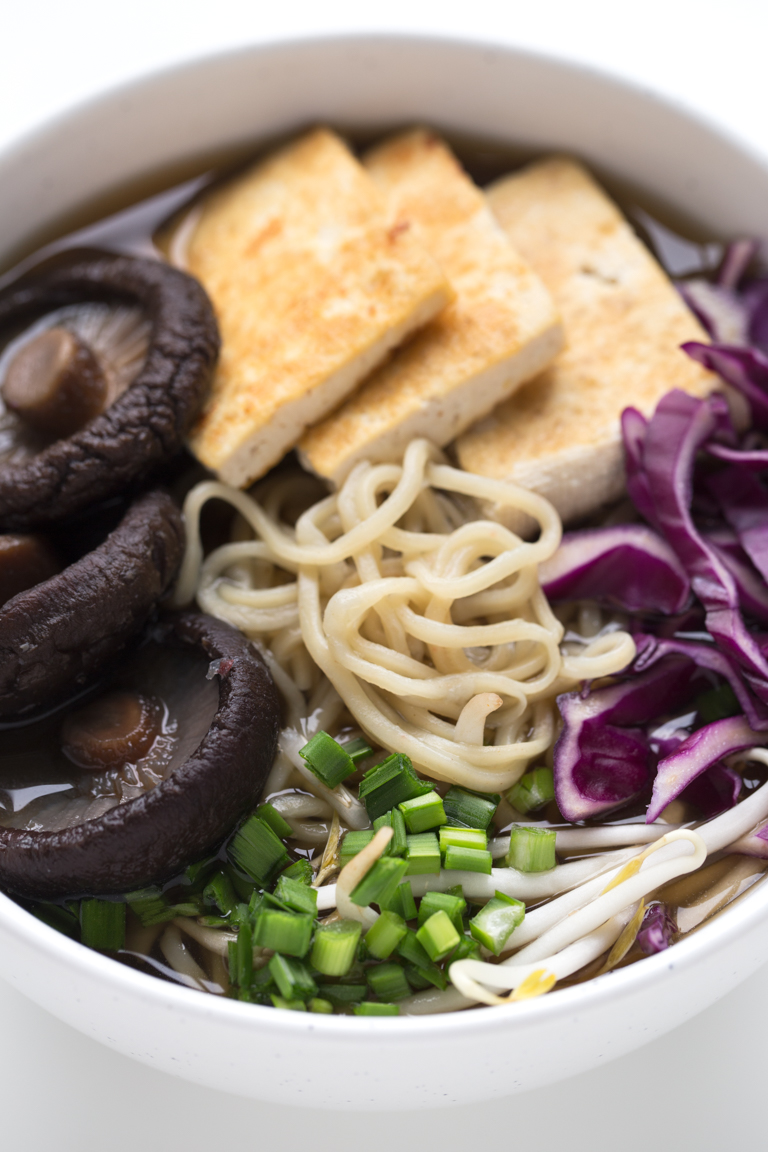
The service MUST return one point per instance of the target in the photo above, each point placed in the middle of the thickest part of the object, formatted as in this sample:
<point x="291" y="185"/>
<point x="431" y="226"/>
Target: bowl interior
<point x="169" y="126"/>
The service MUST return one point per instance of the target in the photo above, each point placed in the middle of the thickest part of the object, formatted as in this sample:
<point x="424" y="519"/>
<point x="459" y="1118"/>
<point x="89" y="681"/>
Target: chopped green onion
<point x="415" y="956"/>
<point x="438" y="936"/>
<point x="353" y="843"/>
<point x="388" y="982"/>
<point x="380" y="882"/>
<point x="423" y="854"/>
<point x="453" y="906"/>
<point x="328" y="760"/>
<point x="288" y="932"/>
<point x="402" y="902"/>
<point x="335" y="947"/>
<point x="423" y="812"/>
<point x="296" y="896"/>
<point x="496" y="922"/>
<point x="463" y="838"/>
<point x="292" y="978"/>
<point x="468" y="860"/>
<point x="293" y="1005"/>
<point x="357" y="749"/>
<point x="394" y="820"/>
<point x="271" y="816"/>
<point x="150" y="906"/>
<point x="241" y="957"/>
<point x="371" y="1008"/>
<point x="301" y="870"/>
<point x="219" y="891"/>
<point x="57" y="916"/>
<point x="465" y="809"/>
<point x="531" y="849"/>
<point x="466" y="949"/>
<point x="385" y="935"/>
<point x="343" y="993"/>
<point x="324" y="1007"/>
<point x="389" y="783"/>
<point x="533" y="790"/>
<point x="243" y="885"/>
<point x="258" y="851"/>
<point x="102" y="924"/>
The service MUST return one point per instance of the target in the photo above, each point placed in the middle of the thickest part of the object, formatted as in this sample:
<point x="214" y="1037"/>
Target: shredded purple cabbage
<point x="603" y="757"/>
<point x="656" y="930"/>
<point x="629" y="566"/>
<point x="701" y="751"/>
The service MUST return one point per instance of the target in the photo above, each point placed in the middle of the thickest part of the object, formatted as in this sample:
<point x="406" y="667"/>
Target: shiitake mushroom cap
<point x="148" y="422"/>
<point x="56" y="636"/>
<point x="149" y="839"/>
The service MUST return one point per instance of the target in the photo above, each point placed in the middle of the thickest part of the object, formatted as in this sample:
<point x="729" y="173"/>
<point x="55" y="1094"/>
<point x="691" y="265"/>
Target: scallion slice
<point x="380" y="882"/>
<point x="468" y="860"/>
<point x="300" y="870"/>
<point x="388" y="982"/>
<point x="292" y="1005"/>
<point x="271" y="816"/>
<point x="57" y="916"/>
<point x="373" y="1008"/>
<point x="394" y="820"/>
<point x="463" y="838"/>
<point x="423" y="813"/>
<point x="417" y="961"/>
<point x="296" y="896"/>
<point x="329" y="761"/>
<point x="335" y="947"/>
<point x="220" y="892"/>
<point x="465" y="809"/>
<point x="357" y="749"/>
<point x="102" y="924"/>
<point x="531" y="849"/>
<point x="496" y="922"/>
<point x="401" y="902"/>
<point x="423" y="854"/>
<point x="343" y="993"/>
<point x="389" y="783"/>
<point x="288" y="932"/>
<point x="292" y="978"/>
<point x="353" y="843"/>
<point x="438" y="936"/>
<point x="454" y="906"/>
<point x="466" y="949"/>
<point x="533" y="790"/>
<point x="258" y="851"/>
<point x="385" y="935"/>
<point x="324" y="1007"/>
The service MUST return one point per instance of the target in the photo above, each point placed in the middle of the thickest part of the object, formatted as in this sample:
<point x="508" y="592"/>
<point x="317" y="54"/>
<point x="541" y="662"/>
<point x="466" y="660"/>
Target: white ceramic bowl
<point x="341" y="1062"/>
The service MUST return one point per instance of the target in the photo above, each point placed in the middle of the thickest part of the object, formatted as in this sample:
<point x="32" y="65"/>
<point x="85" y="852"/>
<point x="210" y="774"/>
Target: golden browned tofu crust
<point x="501" y="329"/>
<point x="312" y="288"/>
<point x="624" y="324"/>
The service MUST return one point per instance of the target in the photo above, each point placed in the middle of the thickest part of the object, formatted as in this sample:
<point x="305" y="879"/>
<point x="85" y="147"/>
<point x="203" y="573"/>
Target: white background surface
<point x="702" y="1086"/>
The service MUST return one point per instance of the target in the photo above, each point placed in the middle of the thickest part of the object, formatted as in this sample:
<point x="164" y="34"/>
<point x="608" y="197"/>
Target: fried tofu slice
<point x="501" y="329"/>
<point x="624" y="324"/>
<point x="312" y="288"/>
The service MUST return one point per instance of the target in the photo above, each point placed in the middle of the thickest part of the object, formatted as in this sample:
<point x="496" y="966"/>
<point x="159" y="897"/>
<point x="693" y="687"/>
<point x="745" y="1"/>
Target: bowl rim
<point x="749" y="909"/>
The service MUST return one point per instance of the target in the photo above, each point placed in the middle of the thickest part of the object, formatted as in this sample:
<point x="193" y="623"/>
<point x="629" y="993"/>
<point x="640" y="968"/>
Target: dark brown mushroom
<point x="141" y="427"/>
<point x="24" y="562"/>
<point x="57" y="635"/>
<point x="151" y="837"/>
